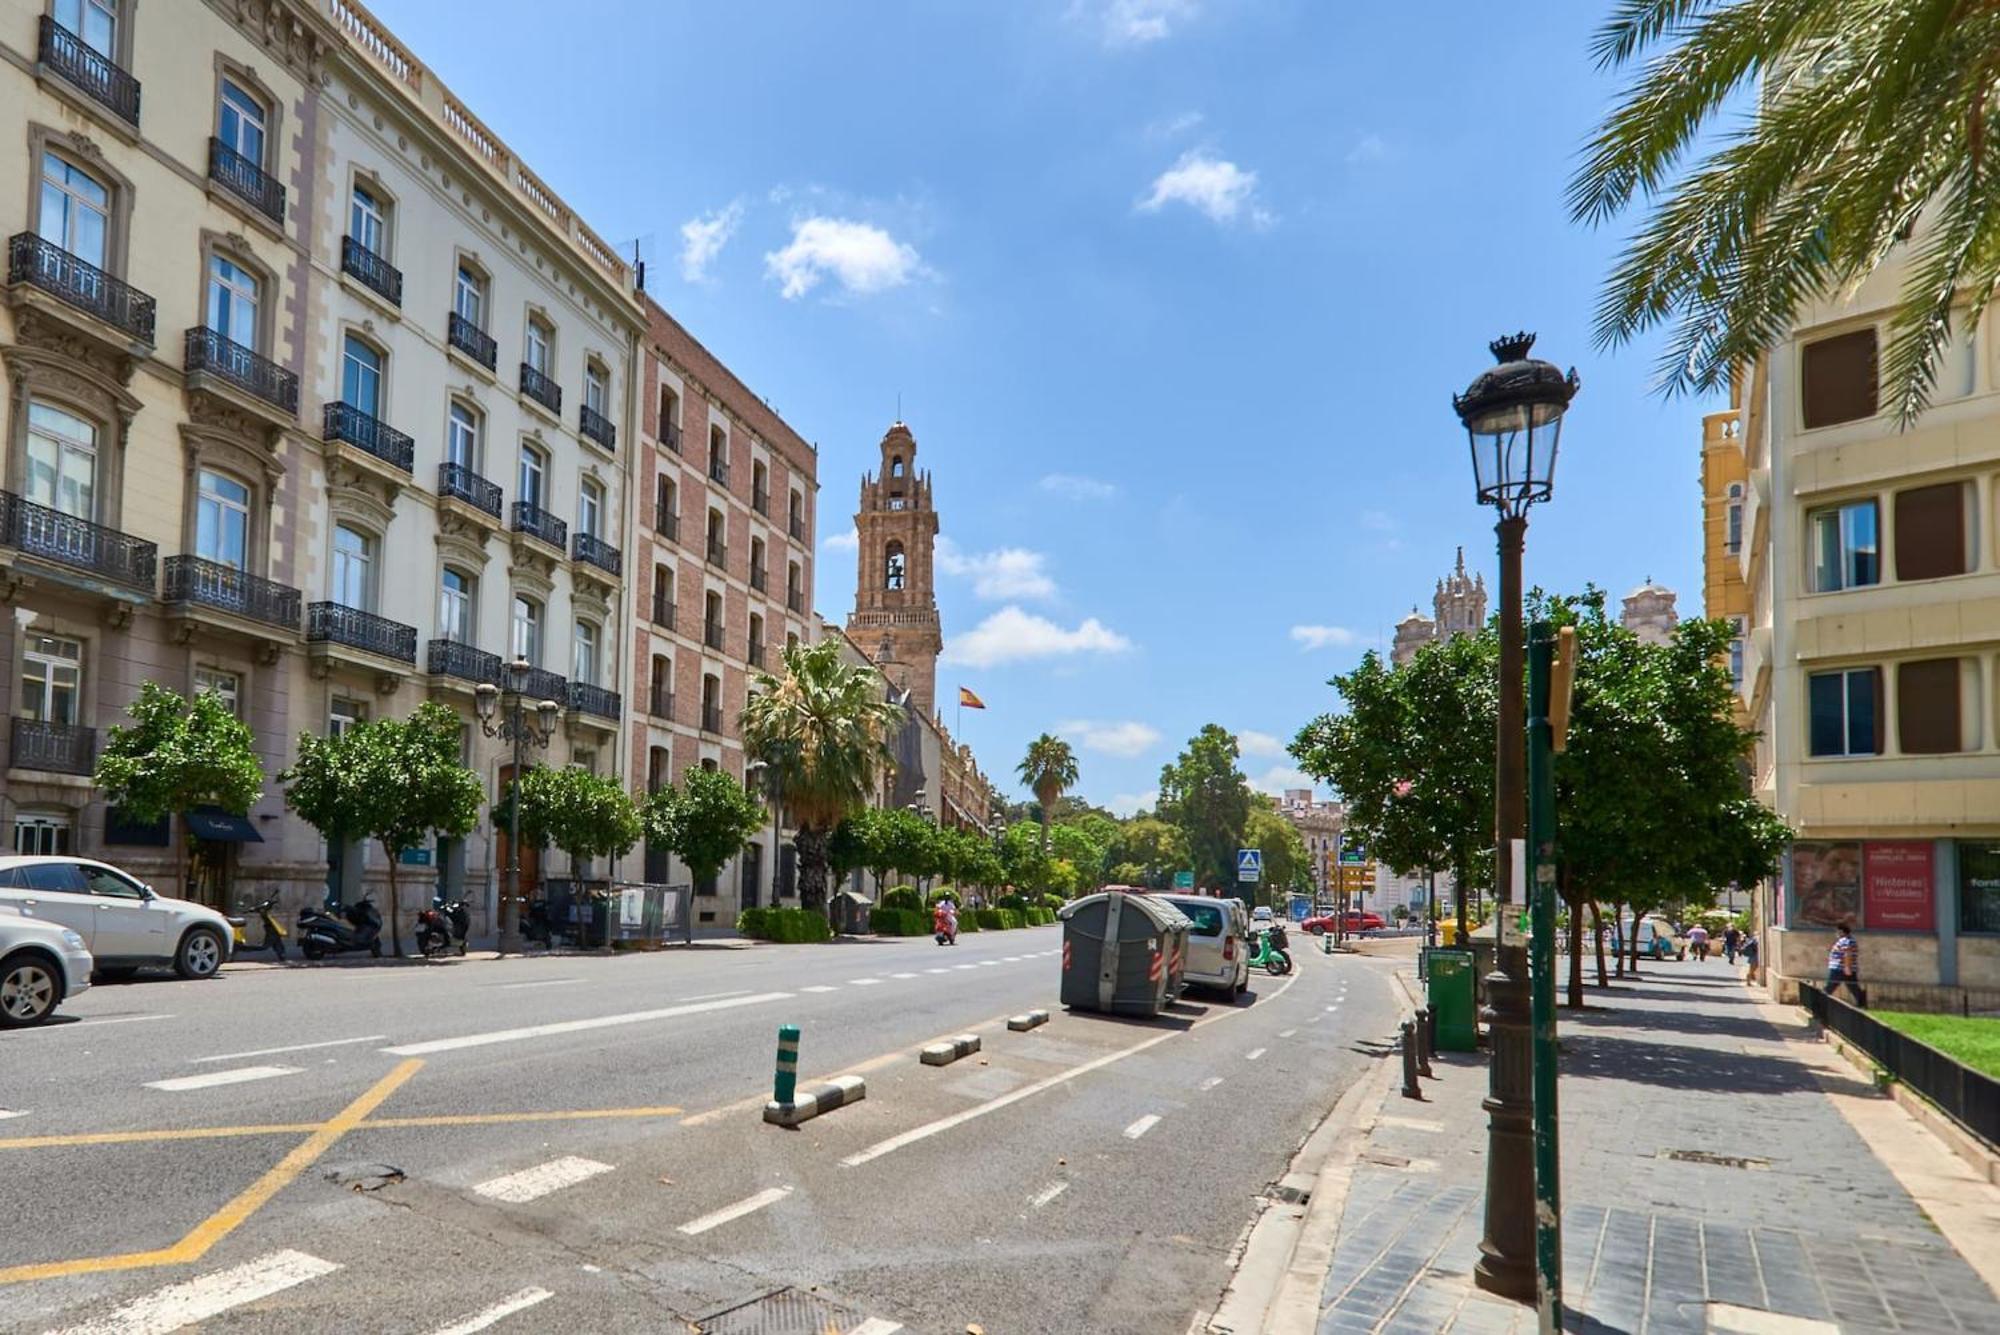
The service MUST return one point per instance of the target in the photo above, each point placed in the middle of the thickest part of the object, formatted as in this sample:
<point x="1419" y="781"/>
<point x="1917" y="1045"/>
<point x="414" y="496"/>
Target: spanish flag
<point x="967" y="700"/>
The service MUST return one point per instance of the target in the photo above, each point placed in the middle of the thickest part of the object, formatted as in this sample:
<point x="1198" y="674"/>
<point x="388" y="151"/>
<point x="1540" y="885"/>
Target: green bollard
<point x="1326" y="943"/>
<point x="786" y="1085"/>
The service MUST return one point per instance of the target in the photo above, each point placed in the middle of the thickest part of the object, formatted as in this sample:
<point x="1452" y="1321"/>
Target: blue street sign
<point x="1249" y="865"/>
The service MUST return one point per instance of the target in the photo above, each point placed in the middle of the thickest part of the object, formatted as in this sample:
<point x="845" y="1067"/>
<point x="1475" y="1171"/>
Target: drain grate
<point x="1718" y="1160"/>
<point x="785" y="1312"/>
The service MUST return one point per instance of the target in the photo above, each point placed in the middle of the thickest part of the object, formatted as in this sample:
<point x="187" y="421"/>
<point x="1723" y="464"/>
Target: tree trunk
<point x="1575" y="1000"/>
<point x="1458" y="886"/>
<point x="395" y="905"/>
<point x="1632" y="946"/>
<point x="1597" y="936"/>
<point x="811" y="846"/>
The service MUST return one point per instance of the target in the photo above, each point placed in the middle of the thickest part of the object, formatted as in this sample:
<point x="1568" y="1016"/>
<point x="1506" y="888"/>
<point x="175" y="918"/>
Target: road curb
<point x="816" y="1099"/>
<point x="1020" y="1024"/>
<point x="949" y="1051"/>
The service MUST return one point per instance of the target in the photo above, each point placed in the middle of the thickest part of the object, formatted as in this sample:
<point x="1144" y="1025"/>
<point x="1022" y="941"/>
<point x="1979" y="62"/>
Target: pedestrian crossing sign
<point x="1249" y="865"/>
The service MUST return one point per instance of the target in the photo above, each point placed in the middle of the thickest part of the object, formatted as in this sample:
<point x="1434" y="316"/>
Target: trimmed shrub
<point x="1053" y="903"/>
<point x="1039" y="917"/>
<point x="786" y="926"/>
<point x="942" y="893"/>
<point x="1014" y="901"/>
<point x="998" y="920"/>
<point x="968" y="921"/>
<point x="884" y="921"/>
<point x="752" y="923"/>
<point x="903" y="897"/>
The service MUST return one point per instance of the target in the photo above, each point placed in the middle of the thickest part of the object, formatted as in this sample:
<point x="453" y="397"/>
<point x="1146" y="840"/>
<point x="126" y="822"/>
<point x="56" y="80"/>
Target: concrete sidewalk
<point x="1713" y="1177"/>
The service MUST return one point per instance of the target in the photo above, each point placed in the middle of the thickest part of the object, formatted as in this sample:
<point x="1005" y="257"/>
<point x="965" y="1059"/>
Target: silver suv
<point x="126" y="925"/>
<point x="1218" y="942"/>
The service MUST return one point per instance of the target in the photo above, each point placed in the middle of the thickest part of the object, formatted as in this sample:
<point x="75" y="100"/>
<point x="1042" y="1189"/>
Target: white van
<point x="1218" y="942"/>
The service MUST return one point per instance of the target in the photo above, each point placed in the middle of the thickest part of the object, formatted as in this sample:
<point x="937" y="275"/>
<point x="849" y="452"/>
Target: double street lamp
<point x="514" y="725"/>
<point x="1513" y="420"/>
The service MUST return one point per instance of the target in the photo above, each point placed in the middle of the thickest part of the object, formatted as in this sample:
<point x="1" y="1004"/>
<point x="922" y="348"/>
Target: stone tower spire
<point x="1460" y="602"/>
<point x="895" y="602"/>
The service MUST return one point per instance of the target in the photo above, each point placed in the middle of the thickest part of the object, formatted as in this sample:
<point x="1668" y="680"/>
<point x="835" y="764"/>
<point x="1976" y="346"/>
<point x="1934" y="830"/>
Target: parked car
<point x="1657" y="939"/>
<point x="42" y="965"/>
<point x="1218" y="942"/>
<point x="1358" y="920"/>
<point x="123" y="922"/>
<point x="1321" y="922"/>
<point x="1262" y="913"/>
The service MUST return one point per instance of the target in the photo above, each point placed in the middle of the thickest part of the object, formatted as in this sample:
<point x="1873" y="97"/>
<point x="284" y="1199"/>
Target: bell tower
<point x="895" y="603"/>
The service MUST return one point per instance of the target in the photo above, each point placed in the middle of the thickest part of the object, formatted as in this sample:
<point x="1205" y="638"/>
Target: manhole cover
<point x="1719" y="1160"/>
<point x="786" y="1312"/>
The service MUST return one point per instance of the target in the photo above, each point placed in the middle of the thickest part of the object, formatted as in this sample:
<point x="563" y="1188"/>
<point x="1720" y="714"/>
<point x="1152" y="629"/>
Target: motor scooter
<point x="274" y="931"/>
<point x="946" y="929"/>
<point x="439" y="924"/>
<point x="1270" y="954"/>
<point x="356" y="926"/>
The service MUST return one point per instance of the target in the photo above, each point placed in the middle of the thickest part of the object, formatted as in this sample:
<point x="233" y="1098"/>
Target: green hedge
<point x="1041" y="917"/>
<point x="784" y="925"/>
<point x="1053" y="903"/>
<point x="944" y="892"/>
<point x="968" y="920"/>
<point x="885" y="921"/>
<point x="903" y="897"/>
<point x="996" y="920"/>
<point x="1012" y="902"/>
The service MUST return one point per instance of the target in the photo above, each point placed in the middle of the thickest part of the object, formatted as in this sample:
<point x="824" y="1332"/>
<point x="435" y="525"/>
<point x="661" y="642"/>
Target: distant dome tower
<point x="895" y="601"/>
<point x="1460" y="602"/>
<point x="1413" y="632"/>
<point x="1649" y="612"/>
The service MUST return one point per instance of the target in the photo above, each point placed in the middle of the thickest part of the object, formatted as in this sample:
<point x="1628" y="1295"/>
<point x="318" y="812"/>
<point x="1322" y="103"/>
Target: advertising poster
<point x="1897" y="886"/>
<point x="1826" y="884"/>
<point x="1978" y="887"/>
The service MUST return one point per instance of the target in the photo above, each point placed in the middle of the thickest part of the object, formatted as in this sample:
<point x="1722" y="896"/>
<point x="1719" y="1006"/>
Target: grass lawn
<point x="1976" y="1042"/>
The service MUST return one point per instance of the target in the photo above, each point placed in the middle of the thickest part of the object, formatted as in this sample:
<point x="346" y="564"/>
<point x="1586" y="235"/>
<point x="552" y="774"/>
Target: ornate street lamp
<point x="1513" y="419"/>
<point x="514" y="725"/>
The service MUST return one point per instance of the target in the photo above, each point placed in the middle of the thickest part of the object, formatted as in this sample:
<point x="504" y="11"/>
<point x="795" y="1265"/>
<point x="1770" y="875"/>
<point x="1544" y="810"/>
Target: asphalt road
<point x="575" y="1143"/>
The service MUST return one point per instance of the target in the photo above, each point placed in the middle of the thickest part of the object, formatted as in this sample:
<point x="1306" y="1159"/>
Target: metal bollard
<point x="785" y="1086"/>
<point x="1430" y="1022"/>
<point x="1423" y="1030"/>
<point x="1411" y="1090"/>
<point x="1326" y="943"/>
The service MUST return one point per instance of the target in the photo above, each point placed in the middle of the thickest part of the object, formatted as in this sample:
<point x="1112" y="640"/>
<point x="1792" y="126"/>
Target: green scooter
<point x="1270" y="953"/>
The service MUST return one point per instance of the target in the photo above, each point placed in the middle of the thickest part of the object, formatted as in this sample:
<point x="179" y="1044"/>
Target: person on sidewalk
<point x="1749" y="951"/>
<point x="1698" y="941"/>
<point x="1732" y="940"/>
<point x="1843" y="965"/>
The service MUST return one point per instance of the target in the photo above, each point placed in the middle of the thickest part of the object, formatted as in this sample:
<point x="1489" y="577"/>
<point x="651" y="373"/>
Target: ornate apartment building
<point x="316" y="396"/>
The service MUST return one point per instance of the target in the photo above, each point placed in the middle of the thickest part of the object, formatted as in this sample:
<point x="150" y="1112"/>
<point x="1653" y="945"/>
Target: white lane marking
<point x="1334" y="1007"/>
<point x="295" y="1047"/>
<point x="988" y="964"/>
<point x="5" y="1113"/>
<point x="717" y="996"/>
<point x="943" y="1124"/>
<point x="1286" y="1033"/>
<point x="1312" y="1019"/>
<point x="1142" y="1126"/>
<point x="237" y="1076"/>
<point x="539" y="982"/>
<point x="863" y="982"/>
<point x="819" y="987"/>
<point x="109" y="1019"/>
<point x="1254" y="1054"/>
<point x="715" y="1219"/>
<point x="1211" y="1082"/>
<point x="506" y="1307"/>
<point x="1014" y="959"/>
<point x="1047" y="1194"/>
<point x="532" y="1183"/>
<point x="875" y="1325"/>
<point x="937" y="970"/>
<point x="902" y="975"/>
<point x="578" y="1026"/>
<point x="181" y="1305"/>
<point x="964" y="966"/>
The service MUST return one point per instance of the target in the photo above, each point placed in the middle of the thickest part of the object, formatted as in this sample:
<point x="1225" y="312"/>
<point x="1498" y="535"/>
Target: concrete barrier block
<point x="1022" y="1023"/>
<point x="812" y="1100"/>
<point x="950" y="1050"/>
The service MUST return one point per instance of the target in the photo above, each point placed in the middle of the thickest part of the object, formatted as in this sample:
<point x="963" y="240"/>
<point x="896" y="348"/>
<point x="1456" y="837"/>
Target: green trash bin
<point x="1451" y="996"/>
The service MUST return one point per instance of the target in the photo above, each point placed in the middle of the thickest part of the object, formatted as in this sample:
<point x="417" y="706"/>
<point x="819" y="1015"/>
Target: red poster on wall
<point x="1897" y="894"/>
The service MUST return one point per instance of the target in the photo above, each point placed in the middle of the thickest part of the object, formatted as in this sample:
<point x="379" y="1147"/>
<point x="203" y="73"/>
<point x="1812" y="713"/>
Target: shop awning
<point x="220" y="827"/>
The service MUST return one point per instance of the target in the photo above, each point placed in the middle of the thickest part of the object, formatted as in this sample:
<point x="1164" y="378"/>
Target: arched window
<point x="222" y="520"/>
<point x="527" y="638"/>
<point x="663" y="596"/>
<point x="361" y="376"/>
<point x="455" y="605"/>
<point x="584" y="660"/>
<point x="62" y="461"/>
<point x="531" y="488"/>
<point x="893" y="573"/>
<point x="1735" y="516"/>
<point x="353" y="568"/>
<point x="711" y="621"/>
<point x="896" y="466"/>
<point x="461" y="436"/>
<point x="75" y="210"/>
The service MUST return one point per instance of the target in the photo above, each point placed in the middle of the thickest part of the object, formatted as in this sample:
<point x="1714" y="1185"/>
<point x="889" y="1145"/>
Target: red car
<point x="1358" y="920"/>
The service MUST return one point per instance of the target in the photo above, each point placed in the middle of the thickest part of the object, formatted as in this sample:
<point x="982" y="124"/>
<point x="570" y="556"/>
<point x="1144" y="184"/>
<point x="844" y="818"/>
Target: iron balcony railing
<point x="51" y="535"/>
<point x="755" y="654"/>
<point x="455" y="658"/>
<point x="666" y="523"/>
<point x="462" y="484"/>
<point x="81" y="284"/>
<point x="795" y="600"/>
<point x="57" y="748"/>
<point x="92" y="71"/>
<point x="246" y="180"/>
<point x="596" y="426"/>
<point x="711" y="717"/>
<point x="596" y="701"/>
<point x="593" y="550"/>
<point x="210" y="353"/>
<point x="543" y="684"/>
<point x="192" y="579"/>
<point x="797" y="528"/>
<point x="374" y="272"/>
<point x="536" y="522"/>
<point x="660" y="701"/>
<point x="760" y="501"/>
<point x="370" y="435"/>
<point x="663" y="611"/>
<point x="758" y="578"/>
<point x="718" y="469"/>
<point x="473" y="341"/>
<point x="670" y="436"/>
<point x="337" y="623"/>
<point x="541" y="388"/>
<point x="718" y="553"/>
<point x="711" y="634"/>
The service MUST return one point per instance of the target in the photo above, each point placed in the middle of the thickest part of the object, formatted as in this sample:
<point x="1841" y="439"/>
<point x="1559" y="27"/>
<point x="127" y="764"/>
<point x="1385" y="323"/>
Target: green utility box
<point x="1451" y="995"/>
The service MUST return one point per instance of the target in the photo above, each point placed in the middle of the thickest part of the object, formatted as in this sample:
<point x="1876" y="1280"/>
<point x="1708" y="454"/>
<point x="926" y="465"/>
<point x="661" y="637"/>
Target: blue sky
<point x="1174" y="292"/>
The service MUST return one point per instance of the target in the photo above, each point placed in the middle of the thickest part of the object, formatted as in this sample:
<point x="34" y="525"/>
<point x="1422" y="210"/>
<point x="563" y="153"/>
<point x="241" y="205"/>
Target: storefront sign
<point x="1825" y="884"/>
<point x="1897" y="890"/>
<point x="1978" y="887"/>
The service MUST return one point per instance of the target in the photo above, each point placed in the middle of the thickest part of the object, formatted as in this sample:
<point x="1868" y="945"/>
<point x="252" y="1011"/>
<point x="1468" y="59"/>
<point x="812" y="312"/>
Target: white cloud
<point x="1253" y="743"/>
<point x="1172" y="127"/>
<point x="1126" y="804"/>
<point x="1278" y="778"/>
<point x="861" y="256"/>
<point x="1011" y="635"/>
<point x="1011" y="572"/>
<point x="1126" y="739"/>
<point x="1368" y="148"/>
<point x="703" y="238"/>
<point x="1218" y="188"/>
<point x="1133" y="22"/>
<point x="1322" y="637"/>
<point x="849" y="541"/>
<point x="1076" y="487"/>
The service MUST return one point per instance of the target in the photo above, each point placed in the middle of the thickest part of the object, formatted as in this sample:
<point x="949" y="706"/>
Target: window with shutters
<point x="1927" y="707"/>
<point x="1837" y="379"/>
<point x="1932" y="531"/>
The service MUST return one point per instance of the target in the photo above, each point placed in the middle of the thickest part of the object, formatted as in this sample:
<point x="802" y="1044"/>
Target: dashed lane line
<point x="181" y="1305"/>
<point x="91" y="1024"/>
<point x="1254" y="1054"/>
<point x="729" y="1213"/>
<point x="534" y="1183"/>
<point x="1211" y="1082"/>
<point x="902" y="975"/>
<point x="863" y="982"/>
<point x="500" y="1311"/>
<point x="1142" y="1126"/>
<point x="819" y="987"/>
<point x="236" y="1076"/>
<point x="1287" y="1033"/>
<point x="1047" y="1194"/>
<point x="579" y="1026"/>
<point x="540" y="982"/>
<point x="294" y="1047"/>
<point x="5" y="1113"/>
<point x="717" y="996"/>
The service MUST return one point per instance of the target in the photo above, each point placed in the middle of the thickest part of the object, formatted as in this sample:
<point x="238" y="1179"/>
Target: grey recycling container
<point x="1122" y="953"/>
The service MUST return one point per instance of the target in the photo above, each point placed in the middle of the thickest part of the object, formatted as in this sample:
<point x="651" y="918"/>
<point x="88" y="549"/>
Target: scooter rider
<point x="945" y="920"/>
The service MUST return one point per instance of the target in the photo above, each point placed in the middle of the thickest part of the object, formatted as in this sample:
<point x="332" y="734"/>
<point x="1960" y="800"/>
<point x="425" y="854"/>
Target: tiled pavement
<point x="1814" y="1227"/>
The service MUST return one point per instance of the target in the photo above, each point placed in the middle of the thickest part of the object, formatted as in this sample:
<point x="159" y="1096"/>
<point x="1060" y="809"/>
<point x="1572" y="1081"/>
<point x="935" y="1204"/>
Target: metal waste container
<point x="1122" y="953"/>
<point x="1451" y="996"/>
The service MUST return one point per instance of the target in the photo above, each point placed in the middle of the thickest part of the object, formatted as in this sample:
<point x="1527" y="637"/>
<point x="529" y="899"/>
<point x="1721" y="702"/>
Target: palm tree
<point x="1870" y="114"/>
<point x="822" y="733"/>
<point x="1048" y="769"/>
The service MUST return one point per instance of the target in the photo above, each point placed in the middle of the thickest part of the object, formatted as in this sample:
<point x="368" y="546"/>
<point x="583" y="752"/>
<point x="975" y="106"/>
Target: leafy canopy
<point x="585" y="815"/>
<point x="705" y="822"/>
<point x="1206" y="796"/>
<point x="176" y="754"/>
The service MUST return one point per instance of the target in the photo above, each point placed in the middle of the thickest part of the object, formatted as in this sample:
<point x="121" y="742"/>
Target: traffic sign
<point x="1353" y="855"/>
<point x="1183" y="880"/>
<point x="1249" y="865"/>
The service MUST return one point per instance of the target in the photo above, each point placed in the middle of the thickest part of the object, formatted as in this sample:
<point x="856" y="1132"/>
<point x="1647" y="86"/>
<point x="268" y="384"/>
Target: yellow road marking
<point x="501" y="1119"/>
<point x="296" y="1128"/>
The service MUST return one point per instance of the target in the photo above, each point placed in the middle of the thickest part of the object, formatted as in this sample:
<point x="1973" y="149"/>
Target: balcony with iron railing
<point x="755" y="653"/>
<point x="348" y="424"/>
<point x="660" y="700"/>
<point x="663" y="611"/>
<point x="711" y="717"/>
<point x="538" y="523"/>
<point x="543" y="684"/>
<point x="337" y="623"/>
<point x="718" y="469"/>
<point x="194" y="581"/>
<point x="455" y="658"/>
<point x="473" y="341"/>
<point x="666" y="523"/>
<point x="596" y="701"/>
<point x="371" y="270"/>
<point x="711" y="634"/>
<point x="760" y="501"/>
<point x="50" y="535"/>
<point x="593" y="550"/>
<point x="759" y="577"/>
<point x="88" y="69"/>
<point x="460" y="483"/>
<point x="54" y="748"/>
<point x="795" y="600"/>
<point x="796" y="526"/>
<point x="208" y="353"/>
<point x="670" y="436"/>
<point x="594" y="425"/>
<point x="718" y="553"/>
<point x="42" y="264"/>
<point x="541" y="388"/>
<point x="247" y="180"/>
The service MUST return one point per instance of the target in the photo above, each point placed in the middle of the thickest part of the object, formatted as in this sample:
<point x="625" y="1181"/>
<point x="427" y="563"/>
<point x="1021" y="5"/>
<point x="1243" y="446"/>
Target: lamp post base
<point x="1506" y="1265"/>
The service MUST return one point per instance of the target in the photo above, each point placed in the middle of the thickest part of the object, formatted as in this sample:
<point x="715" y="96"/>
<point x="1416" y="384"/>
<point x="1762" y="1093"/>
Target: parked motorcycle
<point x="1270" y="954"/>
<point x="274" y="931"/>
<point x="356" y="926"/>
<point x="439" y="924"/>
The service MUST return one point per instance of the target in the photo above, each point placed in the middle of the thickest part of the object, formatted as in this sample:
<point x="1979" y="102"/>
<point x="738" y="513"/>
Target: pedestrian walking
<point x="1843" y="965"/>
<point x="1749" y="950"/>
<point x="1698" y="941"/>
<point x="1731" y="941"/>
